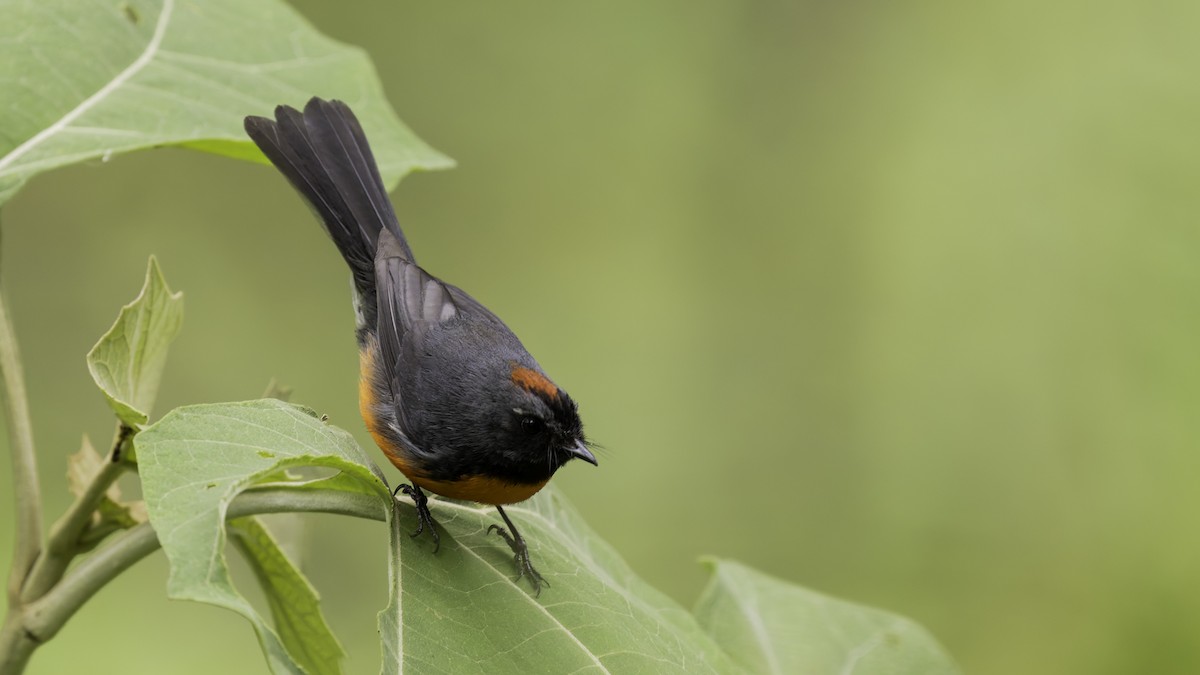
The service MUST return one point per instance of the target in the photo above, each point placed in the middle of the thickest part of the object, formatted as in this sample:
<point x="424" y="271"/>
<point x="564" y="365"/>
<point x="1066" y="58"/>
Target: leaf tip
<point x="154" y="274"/>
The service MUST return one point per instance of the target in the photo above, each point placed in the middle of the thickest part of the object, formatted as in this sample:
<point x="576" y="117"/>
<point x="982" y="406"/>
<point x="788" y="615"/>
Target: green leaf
<point x="295" y="607"/>
<point x="196" y="459"/>
<point x="127" y="362"/>
<point x="463" y="611"/>
<point x="770" y="626"/>
<point x="88" y="80"/>
<point x="458" y="611"/>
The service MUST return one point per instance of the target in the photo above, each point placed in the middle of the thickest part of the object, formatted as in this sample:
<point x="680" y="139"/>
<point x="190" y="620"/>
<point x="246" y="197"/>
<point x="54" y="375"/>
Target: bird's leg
<point x="424" y="517"/>
<point x="517" y="543"/>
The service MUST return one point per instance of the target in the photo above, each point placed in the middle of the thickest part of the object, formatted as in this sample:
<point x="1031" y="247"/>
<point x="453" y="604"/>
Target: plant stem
<point x="63" y="542"/>
<point x="43" y="618"/>
<point x="16" y="646"/>
<point x="26" y="489"/>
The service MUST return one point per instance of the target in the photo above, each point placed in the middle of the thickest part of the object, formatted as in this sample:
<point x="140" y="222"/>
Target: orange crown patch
<point x="533" y="381"/>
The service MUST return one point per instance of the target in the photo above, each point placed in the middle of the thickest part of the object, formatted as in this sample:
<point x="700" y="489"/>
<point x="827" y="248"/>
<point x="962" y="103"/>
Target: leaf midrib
<point x="143" y="59"/>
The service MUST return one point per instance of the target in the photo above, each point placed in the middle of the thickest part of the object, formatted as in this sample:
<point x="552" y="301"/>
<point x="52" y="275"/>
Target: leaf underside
<point x="771" y="626"/>
<point x="127" y="363"/>
<point x="196" y="459"/>
<point x="596" y="616"/>
<point x="95" y="79"/>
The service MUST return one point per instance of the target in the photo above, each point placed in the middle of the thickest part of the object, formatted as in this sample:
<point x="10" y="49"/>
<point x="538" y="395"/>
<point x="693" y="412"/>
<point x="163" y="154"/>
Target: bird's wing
<point x="410" y="302"/>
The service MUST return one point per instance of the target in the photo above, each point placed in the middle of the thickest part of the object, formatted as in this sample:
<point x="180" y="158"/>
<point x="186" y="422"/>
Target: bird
<point x="446" y="390"/>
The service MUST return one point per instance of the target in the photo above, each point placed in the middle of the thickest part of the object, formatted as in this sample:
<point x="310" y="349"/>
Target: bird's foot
<point x="520" y="553"/>
<point x="424" y="517"/>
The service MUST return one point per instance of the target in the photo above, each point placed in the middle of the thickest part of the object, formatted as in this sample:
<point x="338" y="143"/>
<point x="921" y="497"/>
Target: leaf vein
<point x="533" y="602"/>
<point x="160" y="29"/>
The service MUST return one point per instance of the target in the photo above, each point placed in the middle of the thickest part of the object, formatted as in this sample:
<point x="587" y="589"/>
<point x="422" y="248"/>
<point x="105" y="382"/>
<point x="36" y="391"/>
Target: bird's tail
<point x="325" y="156"/>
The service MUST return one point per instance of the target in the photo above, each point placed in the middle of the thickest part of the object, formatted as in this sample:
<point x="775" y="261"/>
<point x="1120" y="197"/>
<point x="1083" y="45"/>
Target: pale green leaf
<point x="295" y="607"/>
<point x="769" y="626"/>
<point x="88" y="80"/>
<point x="196" y="459"/>
<point x="127" y="362"/>
<point x="462" y="610"/>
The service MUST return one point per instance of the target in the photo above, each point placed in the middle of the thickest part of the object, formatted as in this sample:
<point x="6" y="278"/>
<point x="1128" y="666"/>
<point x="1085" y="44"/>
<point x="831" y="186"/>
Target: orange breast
<point x="367" y="401"/>
<point x="482" y="489"/>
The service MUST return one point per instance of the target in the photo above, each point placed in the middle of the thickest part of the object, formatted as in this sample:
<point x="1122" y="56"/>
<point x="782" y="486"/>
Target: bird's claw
<point x="424" y="517"/>
<point x="521" y="557"/>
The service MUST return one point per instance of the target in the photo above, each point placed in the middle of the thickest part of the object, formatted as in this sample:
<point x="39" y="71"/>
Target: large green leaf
<point x="196" y="459"/>
<point x="87" y="80"/>
<point x="457" y="611"/>
<point x="127" y="362"/>
<point x="770" y="626"/>
<point x="463" y="612"/>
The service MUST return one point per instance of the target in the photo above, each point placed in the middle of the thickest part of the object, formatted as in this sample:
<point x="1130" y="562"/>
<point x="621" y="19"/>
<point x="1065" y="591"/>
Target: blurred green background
<point x="898" y="301"/>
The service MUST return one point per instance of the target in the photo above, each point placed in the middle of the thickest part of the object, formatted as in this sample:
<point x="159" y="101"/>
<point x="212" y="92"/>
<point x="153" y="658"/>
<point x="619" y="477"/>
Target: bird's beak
<point x="581" y="451"/>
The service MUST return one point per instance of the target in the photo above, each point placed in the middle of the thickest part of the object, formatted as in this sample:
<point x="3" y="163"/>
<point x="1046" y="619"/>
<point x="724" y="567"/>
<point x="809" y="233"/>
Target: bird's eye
<point x="531" y="425"/>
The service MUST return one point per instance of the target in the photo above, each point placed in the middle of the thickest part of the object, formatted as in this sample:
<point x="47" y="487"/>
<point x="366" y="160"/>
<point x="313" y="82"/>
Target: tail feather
<point x="343" y="149"/>
<point x="324" y="154"/>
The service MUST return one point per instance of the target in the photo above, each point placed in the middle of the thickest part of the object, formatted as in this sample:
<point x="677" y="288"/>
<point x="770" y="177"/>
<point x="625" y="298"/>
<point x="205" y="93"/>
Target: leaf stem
<point x="43" y="618"/>
<point x="63" y="543"/>
<point x="26" y="488"/>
